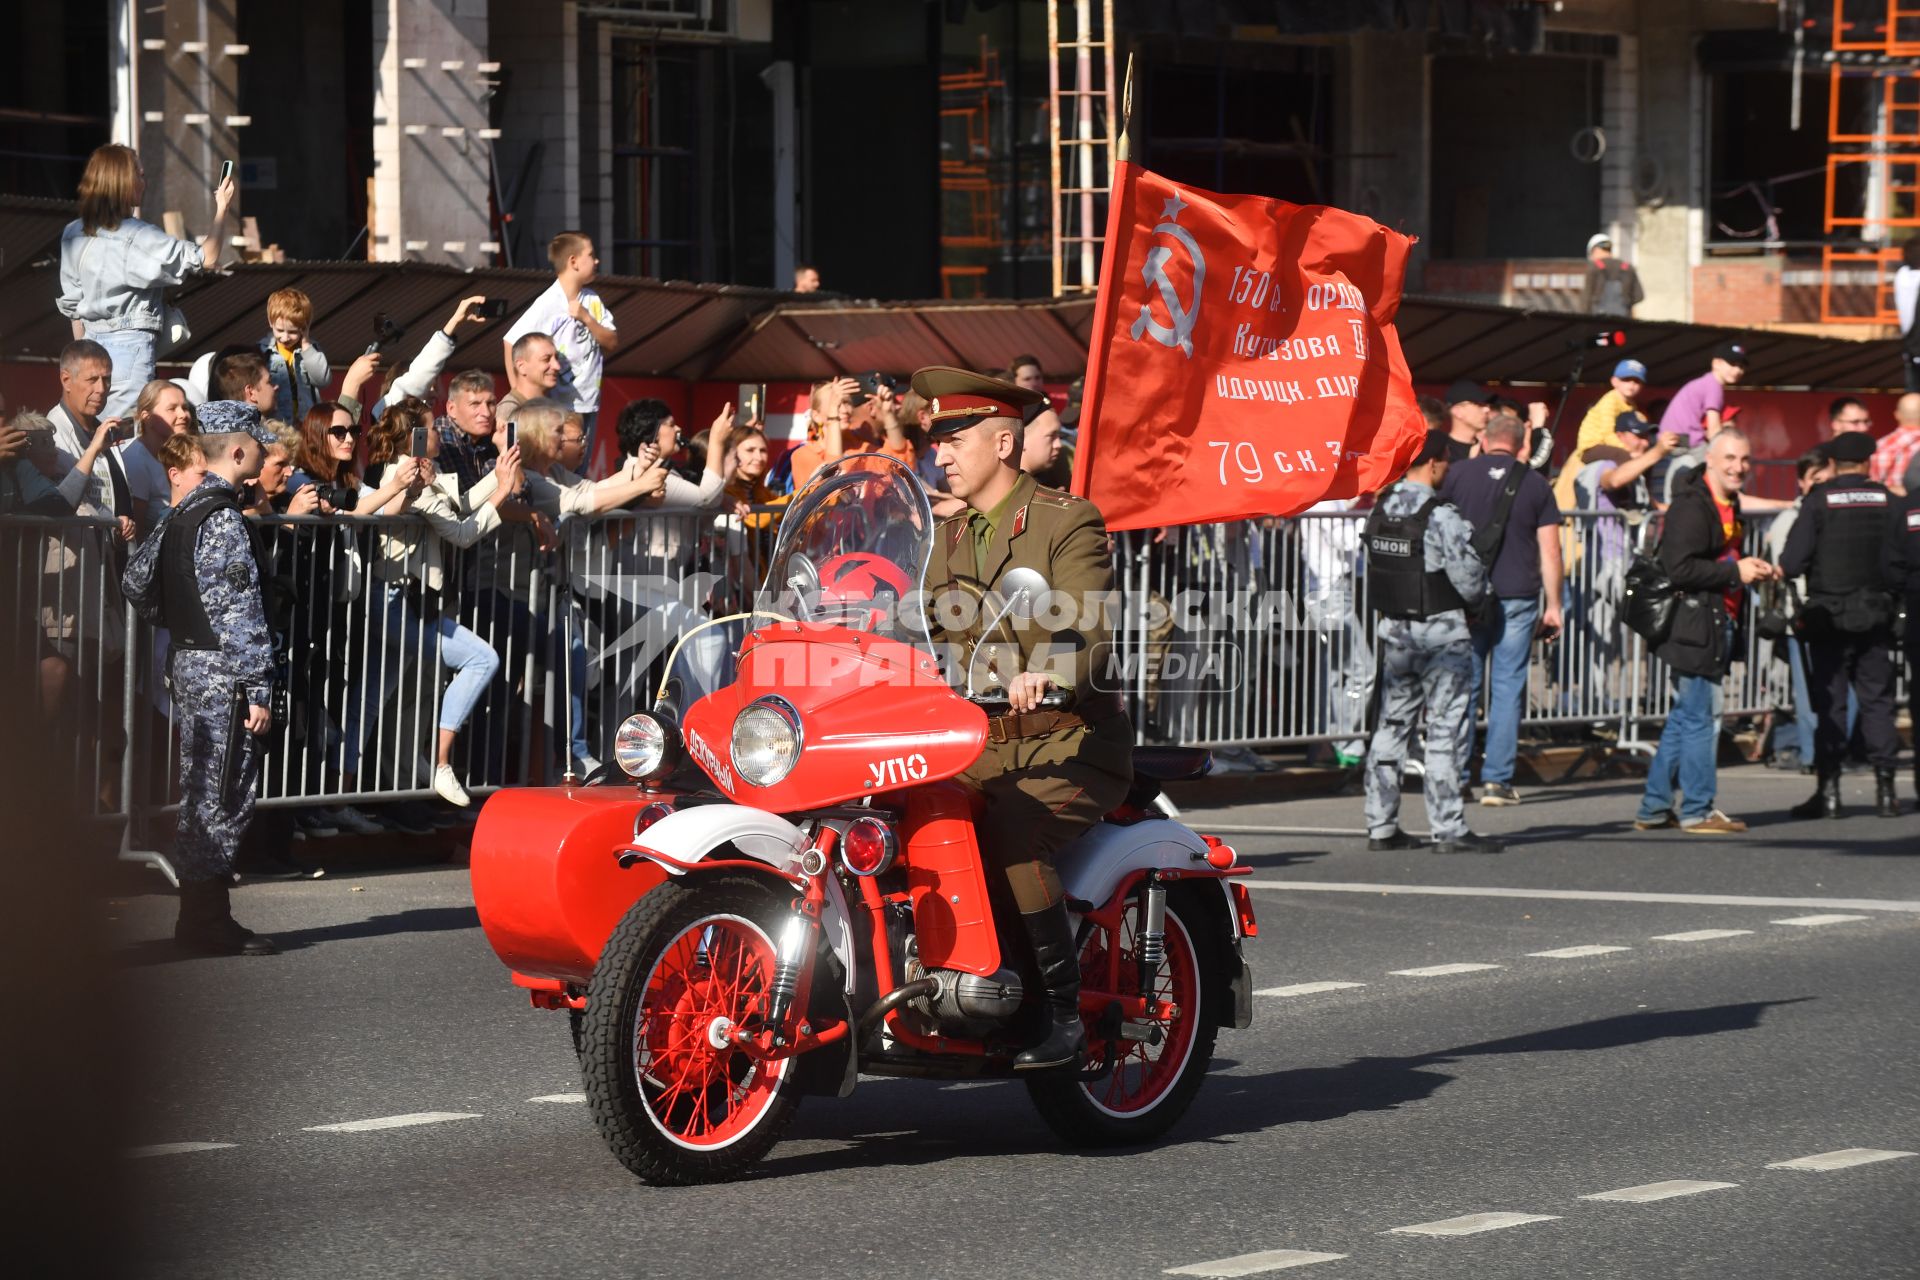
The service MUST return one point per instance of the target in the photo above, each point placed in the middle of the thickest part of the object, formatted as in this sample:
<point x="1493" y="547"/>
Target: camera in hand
<point x="494" y="308"/>
<point x="341" y="497"/>
<point x="385" y="332"/>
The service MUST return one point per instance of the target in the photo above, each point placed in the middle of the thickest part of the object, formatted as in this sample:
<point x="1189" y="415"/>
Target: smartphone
<point x="752" y="404"/>
<point x="494" y="308"/>
<point x="513" y="433"/>
<point x="226" y="172"/>
<point x="420" y="445"/>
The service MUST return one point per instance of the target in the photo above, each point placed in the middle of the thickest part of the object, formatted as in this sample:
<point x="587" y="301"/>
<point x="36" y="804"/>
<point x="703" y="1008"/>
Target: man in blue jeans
<point x="1526" y="568"/>
<point x="1700" y="549"/>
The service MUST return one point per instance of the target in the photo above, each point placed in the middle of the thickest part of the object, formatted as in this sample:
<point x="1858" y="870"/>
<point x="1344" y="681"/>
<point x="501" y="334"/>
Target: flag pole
<point x="1122" y="149"/>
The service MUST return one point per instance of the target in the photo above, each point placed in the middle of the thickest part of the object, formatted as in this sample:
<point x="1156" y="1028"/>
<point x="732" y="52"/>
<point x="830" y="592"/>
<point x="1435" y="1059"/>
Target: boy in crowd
<point x="579" y="323"/>
<point x="186" y="464"/>
<point x="1695" y="411"/>
<point x="242" y="376"/>
<point x="297" y="367"/>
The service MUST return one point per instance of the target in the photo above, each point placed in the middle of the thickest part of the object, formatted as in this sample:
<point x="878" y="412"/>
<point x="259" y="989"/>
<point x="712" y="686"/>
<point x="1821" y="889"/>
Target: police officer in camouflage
<point x="1423" y="576"/>
<point x="220" y="675"/>
<point x="1838" y="543"/>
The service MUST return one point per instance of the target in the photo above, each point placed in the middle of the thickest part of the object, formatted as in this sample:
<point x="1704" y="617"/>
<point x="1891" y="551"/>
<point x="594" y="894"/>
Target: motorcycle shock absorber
<point x="796" y="939"/>
<point x="786" y="974"/>
<point x="1153" y="932"/>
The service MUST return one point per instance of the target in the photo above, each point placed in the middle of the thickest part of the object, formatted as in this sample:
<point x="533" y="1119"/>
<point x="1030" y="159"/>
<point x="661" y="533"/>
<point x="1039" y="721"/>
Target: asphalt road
<point x="1717" y="1039"/>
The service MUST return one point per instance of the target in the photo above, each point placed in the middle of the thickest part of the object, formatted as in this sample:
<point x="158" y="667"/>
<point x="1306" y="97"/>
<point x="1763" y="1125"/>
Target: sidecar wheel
<point x="673" y="1108"/>
<point x="1150" y="1086"/>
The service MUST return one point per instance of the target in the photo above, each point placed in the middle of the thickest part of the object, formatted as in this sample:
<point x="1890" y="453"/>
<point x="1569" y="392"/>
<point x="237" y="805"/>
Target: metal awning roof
<point x="731" y="333"/>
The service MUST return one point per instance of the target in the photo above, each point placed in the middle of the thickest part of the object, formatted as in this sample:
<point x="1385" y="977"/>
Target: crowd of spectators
<point x="495" y="484"/>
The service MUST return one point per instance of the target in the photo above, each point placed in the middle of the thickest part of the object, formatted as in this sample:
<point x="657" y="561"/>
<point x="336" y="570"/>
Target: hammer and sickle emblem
<point x="1154" y="272"/>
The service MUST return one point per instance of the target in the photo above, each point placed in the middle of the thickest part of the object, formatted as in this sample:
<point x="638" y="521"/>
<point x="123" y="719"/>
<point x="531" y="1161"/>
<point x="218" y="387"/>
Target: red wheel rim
<point x="698" y="1095"/>
<point x="1143" y="1074"/>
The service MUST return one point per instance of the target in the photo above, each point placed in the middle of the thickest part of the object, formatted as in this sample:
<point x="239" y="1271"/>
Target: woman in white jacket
<point x="412" y="577"/>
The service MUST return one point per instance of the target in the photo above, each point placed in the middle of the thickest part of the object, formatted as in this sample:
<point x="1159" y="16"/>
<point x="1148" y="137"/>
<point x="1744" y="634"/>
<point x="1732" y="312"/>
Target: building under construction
<point x="1756" y="160"/>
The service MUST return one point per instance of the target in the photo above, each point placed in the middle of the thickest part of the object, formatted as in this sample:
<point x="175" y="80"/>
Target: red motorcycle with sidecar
<point x="788" y="892"/>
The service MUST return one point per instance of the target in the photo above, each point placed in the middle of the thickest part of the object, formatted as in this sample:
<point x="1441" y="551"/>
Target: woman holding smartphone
<point x="115" y="269"/>
<point x="412" y="608"/>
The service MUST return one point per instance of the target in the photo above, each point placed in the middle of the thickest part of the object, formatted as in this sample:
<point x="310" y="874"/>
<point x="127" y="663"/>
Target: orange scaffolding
<point x="1873" y="174"/>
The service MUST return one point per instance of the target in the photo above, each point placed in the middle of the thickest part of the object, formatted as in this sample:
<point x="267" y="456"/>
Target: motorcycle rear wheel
<point x="673" y="1108"/>
<point x="1150" y="1086"/>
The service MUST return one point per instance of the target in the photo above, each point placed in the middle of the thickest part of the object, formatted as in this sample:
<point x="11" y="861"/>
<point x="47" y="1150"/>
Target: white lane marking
<point x="1660" y="1191"/>
<point x="1441" y="970"/>
<point x="1309" y="988"/>
<point x="1253" y="1264"/>
<point x="1585" y="895"/>
<point x="175" y="1149"/>
<point x="1701" y="935"/>
<point x="1472" y="1224"/>
<point x="1577" y="953"/>
<point x="1845" y="1159"/>
<point x="393" y="1122"/>
<point x="559" y="1097"/>
<point x="1814" y="922"/>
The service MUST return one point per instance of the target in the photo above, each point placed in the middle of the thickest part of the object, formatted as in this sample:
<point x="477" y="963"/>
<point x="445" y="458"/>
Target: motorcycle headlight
<point x="640" y="747"/>
<point x="766" y="741"/>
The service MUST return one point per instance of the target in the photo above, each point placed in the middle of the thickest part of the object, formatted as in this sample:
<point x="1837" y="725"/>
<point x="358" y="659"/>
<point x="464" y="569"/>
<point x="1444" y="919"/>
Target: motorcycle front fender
<point x="691" y="836"/>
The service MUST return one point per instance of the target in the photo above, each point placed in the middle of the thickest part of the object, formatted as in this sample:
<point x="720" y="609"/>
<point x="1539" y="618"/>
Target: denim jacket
<point x="116" y="278"/>
<point x="298" y="389"/>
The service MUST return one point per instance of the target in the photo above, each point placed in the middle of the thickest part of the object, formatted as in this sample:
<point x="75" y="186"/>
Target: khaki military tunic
<point x="1048" y="775"/>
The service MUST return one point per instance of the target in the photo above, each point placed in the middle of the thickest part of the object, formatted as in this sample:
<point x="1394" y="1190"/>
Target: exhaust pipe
<point x="887" y="1003"/>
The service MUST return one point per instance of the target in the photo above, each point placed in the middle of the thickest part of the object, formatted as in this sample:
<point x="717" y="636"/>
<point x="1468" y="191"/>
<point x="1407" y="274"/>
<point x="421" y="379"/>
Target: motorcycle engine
<point x="964" y="1001"/>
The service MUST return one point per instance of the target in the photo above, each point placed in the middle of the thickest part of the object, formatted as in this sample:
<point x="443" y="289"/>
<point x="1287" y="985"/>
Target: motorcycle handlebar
<point x="997" y="704"/>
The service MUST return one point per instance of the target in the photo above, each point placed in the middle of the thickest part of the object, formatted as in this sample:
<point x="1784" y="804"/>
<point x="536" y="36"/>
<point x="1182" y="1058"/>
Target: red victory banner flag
<point x="1243" y="360"/>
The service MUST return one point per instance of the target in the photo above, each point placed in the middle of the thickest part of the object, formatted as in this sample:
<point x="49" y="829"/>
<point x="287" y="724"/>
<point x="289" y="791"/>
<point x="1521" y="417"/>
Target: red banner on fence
<point x="1243" y="360"/>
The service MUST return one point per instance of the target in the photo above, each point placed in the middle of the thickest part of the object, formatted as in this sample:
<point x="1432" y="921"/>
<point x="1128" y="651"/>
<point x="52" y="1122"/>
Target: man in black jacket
<point x="1901" y="567"/>
<point x="1700" y="548"/>
<point x="1847" y="624"/>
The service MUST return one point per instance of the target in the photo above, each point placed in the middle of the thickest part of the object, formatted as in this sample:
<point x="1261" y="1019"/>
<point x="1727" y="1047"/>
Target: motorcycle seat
<point x="1171" y="764"/>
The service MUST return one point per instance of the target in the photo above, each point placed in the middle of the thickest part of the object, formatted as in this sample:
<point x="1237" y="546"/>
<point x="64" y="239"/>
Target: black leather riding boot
<point x="1052" y="935"/>
<point x="207" y="926"/>
<point x="1885" y="803"/>
<point x="1824" y="802"/>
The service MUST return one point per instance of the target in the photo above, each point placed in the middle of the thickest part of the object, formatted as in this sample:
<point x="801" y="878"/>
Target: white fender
<point x="694" y="833"/>
<point x="1093" y="866"/>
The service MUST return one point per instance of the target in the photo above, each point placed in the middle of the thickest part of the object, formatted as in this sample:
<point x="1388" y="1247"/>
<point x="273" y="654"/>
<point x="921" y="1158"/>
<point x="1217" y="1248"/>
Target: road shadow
<point x="909" y="1127"/>
<point x="156" y="951"/>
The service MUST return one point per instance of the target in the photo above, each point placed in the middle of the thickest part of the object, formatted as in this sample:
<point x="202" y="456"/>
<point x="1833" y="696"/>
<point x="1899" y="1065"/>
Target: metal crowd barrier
<point x="1251" y="634"/>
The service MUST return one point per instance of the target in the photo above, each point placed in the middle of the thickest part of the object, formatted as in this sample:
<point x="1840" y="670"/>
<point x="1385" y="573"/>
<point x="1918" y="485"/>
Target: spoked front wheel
<point x="1158" y="1067"/>
<point x="676" y="1101"/>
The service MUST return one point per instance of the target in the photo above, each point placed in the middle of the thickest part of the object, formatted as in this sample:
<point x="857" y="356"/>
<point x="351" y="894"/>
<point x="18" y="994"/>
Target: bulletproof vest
<point x="1853" y="527"/>
<point x="1400" y="585"/>
<point x="185" y="611"/>
<point x="1908" y="534"/>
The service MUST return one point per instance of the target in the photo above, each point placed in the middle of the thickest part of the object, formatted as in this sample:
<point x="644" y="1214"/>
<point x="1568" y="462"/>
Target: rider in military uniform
<point x="1838" y="543"/>
<point x="1048" y="773"/>
<point x="214" y="606"/>
<point x="1423" y="574"/>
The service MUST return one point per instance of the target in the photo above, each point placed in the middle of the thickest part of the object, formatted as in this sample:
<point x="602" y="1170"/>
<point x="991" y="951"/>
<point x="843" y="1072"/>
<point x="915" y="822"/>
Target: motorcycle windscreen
<point x="853" y="550"/>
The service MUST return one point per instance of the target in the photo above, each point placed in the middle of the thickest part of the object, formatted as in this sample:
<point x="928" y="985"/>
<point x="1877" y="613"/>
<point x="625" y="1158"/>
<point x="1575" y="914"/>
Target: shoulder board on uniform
<point x="1055" y="497"/>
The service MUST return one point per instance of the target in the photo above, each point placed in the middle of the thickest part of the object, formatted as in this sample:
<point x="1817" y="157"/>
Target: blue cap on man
<point x="1630" y="369"/>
